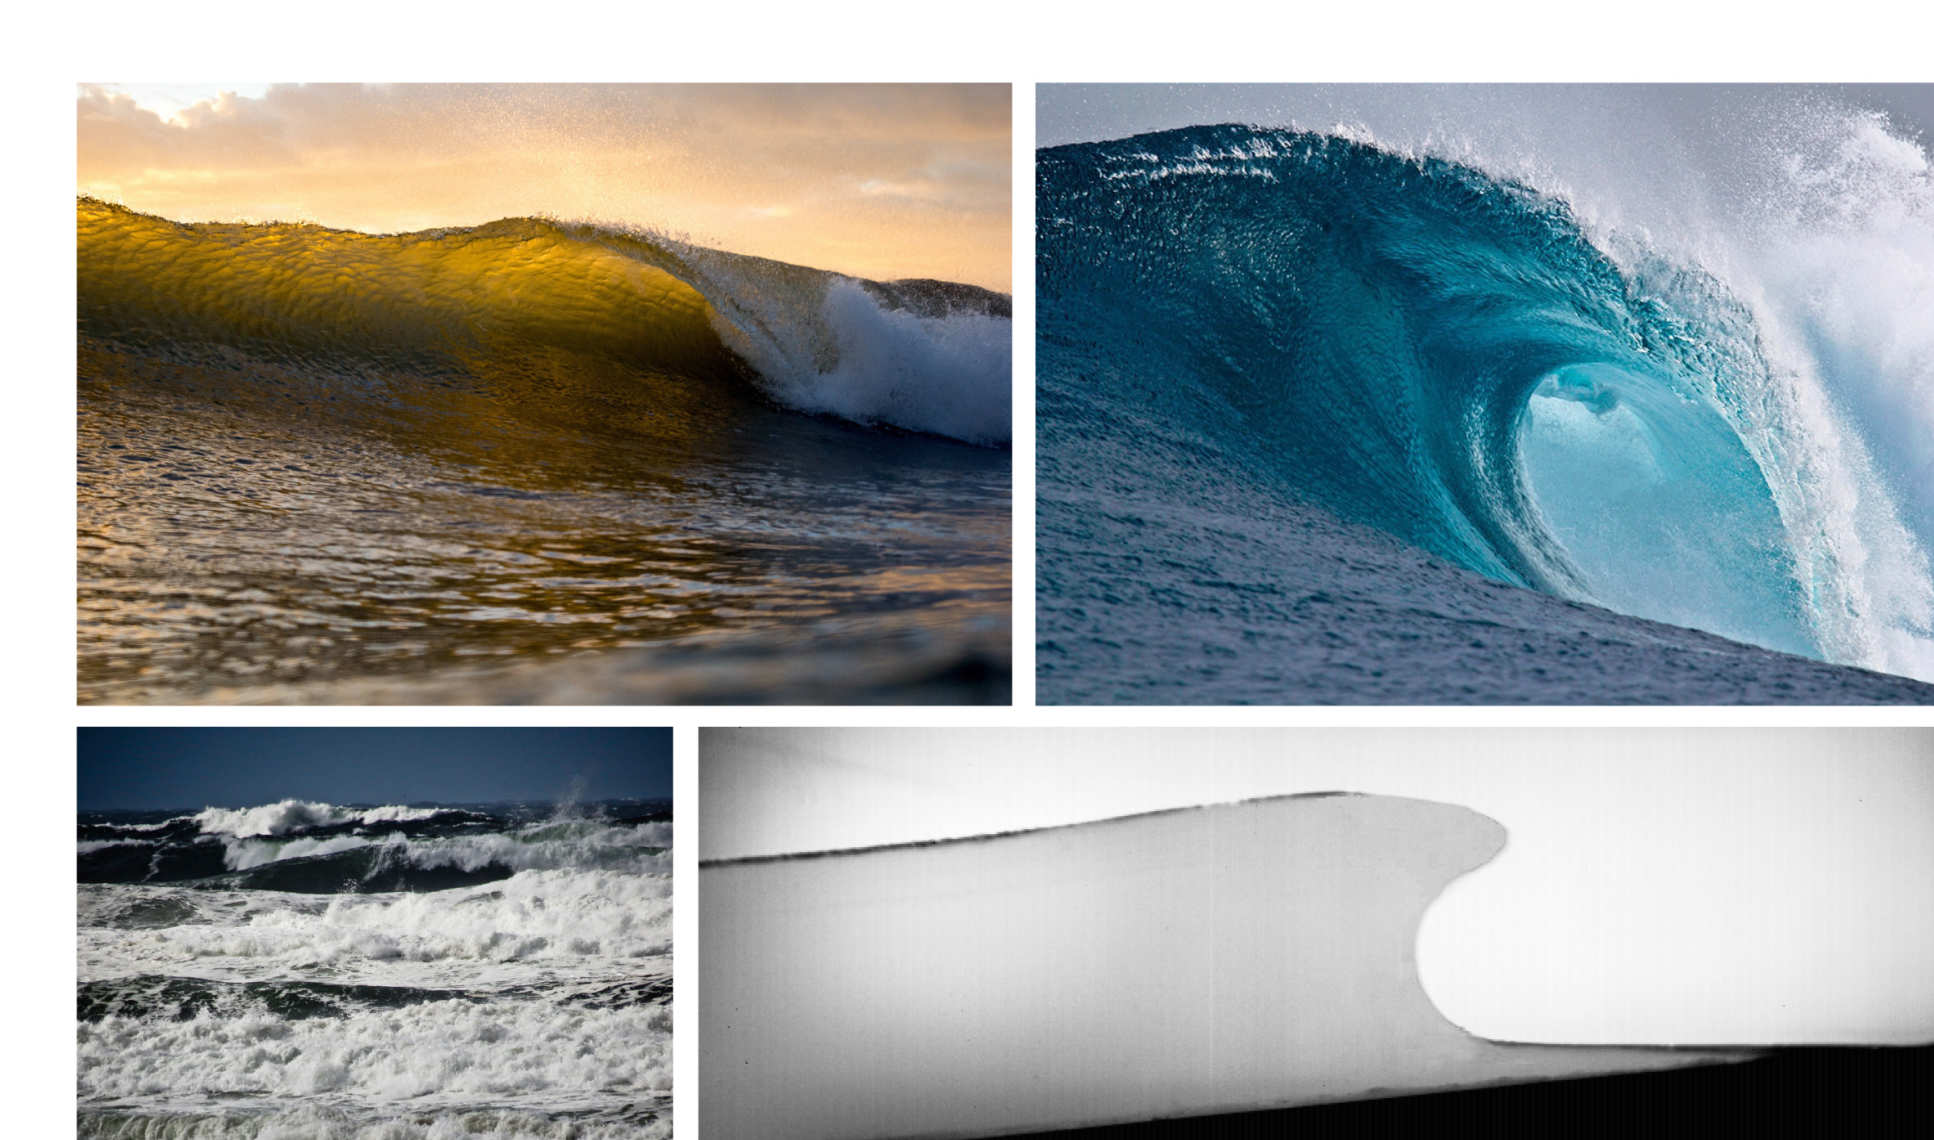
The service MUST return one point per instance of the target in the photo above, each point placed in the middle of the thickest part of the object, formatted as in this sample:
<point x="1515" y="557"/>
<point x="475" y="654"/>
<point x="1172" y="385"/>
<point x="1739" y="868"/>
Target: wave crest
<point x="507" y="303"/>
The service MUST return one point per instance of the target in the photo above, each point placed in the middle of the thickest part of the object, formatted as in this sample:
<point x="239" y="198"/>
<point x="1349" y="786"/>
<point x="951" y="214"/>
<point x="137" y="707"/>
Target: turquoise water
<point x="1452" y="361"/>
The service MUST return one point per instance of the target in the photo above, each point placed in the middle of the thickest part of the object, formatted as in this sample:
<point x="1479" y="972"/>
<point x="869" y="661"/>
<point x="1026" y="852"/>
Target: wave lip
<point x="1456" y="359"/>
<point x="512" y="302"/>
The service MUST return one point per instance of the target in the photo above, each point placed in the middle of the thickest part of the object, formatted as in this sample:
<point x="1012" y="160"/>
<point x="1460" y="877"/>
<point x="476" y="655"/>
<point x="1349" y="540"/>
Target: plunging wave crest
<point x="1478" y="365"/>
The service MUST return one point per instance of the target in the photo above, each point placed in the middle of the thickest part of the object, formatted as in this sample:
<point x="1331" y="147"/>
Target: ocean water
<point x="530" y="461"/>
<point x="1328" y="418"/>
<point x="322" y="971"/>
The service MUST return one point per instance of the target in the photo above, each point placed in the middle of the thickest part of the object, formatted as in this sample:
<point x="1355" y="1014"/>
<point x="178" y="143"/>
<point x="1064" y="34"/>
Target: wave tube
<point x="1459" y="359"/>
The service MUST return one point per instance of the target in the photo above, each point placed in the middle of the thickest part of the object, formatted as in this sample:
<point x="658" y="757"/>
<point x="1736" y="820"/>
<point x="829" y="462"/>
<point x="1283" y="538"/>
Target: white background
<point x="53" y="48"/>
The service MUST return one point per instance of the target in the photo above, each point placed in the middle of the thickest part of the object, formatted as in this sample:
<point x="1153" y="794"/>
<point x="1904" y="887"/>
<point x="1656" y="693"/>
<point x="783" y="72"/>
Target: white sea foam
<point x="313" y="1122"/>
<point x="394" y="813"/>
<point x="147" y="826"/>
<point x="565" y="844"/>
<point x="436" y="1054"/>
<point x="294" y="815"/>
<point x="85" y="846"/>
<point x="947" y="375"/>
<point x="513" y="1058"/>
<point x="269" y="819"/>
<point x="844" y="353"/>
<point x="536" y="924"/>
<point x="240" y="855"/>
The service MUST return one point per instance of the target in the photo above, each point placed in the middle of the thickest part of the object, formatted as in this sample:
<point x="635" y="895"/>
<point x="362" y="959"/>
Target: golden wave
<point x="308" y="291"/>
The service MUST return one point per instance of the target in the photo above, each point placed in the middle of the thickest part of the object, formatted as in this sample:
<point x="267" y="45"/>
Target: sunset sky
<point x="877" y="180"/>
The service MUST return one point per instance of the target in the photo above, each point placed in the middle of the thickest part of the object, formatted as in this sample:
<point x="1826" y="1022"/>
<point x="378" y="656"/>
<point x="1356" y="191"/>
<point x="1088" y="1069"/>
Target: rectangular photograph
<point x="361" y="932"/>
<point x="1212" y="932"/>
<point x="1485" y="394"/>
<point x="579" y="393"/>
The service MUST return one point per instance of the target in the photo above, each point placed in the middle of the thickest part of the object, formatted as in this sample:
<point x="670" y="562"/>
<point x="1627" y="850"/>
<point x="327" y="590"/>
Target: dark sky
<point x="242" y="767"/>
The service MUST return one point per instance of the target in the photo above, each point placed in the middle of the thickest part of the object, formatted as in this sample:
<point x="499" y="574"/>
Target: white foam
<point x="85" y="846"/>
<point x="146" y="826"/>
<point x="269" y="819"/>
<point x="240" y="855"/>
<point x="559" y="844"/>
<point x="841" y="352"/>
<point x="516" y="1063"/>
<point x="946" y="375"/>
<point x="311" y="1122"/>
<point x="537" y="1054"/>
<point x="393" y="813"/>
<point x="294" y="815"/>
<point x="534" y="925"/>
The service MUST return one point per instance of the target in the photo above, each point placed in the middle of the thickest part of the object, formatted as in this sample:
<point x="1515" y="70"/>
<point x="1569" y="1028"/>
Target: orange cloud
<point x="872" y="179"/>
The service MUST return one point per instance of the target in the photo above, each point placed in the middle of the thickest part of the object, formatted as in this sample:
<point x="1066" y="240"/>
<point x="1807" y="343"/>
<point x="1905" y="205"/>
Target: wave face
<point x="1456" y="359"/>
<point x="322" y="970"/>
<point x="313" y="459"/>
<point x="448" y="303"/>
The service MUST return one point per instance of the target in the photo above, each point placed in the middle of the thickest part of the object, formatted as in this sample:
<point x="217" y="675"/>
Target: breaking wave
<point x="392" y="971"/>
<point x="1729" y="428"/>
<point x="517" y="302"/>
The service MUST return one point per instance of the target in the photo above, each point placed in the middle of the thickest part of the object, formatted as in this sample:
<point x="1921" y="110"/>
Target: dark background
<point x="1787" y="1092"/>
<point x="160" y="768"/>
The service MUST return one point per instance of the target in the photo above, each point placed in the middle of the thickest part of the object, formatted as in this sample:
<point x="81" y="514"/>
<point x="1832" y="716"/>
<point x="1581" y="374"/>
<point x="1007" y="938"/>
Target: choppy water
<point x="302" y="969"/>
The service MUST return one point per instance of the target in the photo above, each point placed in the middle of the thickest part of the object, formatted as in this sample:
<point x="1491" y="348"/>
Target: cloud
<point x="722" y="164"/>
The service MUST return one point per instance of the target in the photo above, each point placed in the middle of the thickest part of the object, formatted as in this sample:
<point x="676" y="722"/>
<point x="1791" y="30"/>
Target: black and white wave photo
<point x="1167" y="931"/>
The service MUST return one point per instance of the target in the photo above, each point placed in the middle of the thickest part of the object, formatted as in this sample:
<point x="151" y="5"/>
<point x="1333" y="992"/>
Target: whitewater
<point x="500" y="970"/>
<point x="1667" y="382"/>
